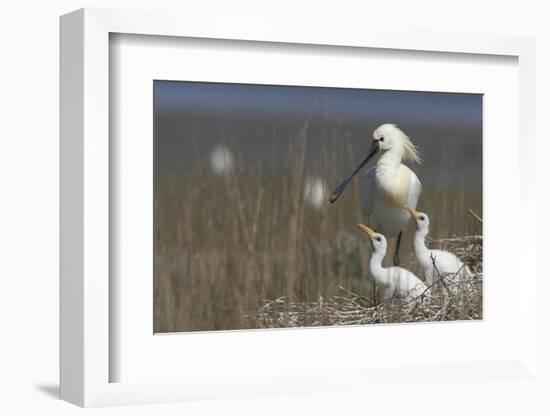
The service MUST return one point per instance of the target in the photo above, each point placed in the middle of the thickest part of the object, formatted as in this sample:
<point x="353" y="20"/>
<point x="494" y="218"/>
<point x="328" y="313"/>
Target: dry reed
<point x="224" y="244"/>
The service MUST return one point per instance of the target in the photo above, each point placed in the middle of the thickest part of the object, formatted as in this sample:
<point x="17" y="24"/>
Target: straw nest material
<point x="446" y="300"/>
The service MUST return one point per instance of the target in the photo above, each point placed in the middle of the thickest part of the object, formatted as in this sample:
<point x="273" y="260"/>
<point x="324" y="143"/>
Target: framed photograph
<point x="270" y="212"/>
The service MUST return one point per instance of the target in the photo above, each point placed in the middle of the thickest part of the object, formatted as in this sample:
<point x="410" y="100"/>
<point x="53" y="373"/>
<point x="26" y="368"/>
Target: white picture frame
<point x="86" y="357"/>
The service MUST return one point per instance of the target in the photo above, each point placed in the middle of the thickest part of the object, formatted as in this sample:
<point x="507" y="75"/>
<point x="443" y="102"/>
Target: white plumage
<point x="387" y="216"/>
<point x="447" y="265"/>
<point x="394" y="282"/>
<point x="389" y="185"/>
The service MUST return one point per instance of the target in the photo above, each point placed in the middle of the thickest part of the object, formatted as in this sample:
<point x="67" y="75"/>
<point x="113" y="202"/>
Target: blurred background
<point x="243" y="175"/>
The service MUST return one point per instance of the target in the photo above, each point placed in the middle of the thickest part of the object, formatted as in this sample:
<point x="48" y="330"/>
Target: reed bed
<point x="224" y="244"/>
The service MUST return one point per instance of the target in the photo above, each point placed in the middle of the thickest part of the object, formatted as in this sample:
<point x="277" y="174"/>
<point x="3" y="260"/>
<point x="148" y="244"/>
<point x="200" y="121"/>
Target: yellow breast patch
<point x="395" y="192"/>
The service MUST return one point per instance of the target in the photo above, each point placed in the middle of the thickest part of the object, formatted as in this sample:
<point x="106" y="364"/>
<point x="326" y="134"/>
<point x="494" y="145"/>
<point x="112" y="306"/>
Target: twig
<point x="473" y="214"/>
<point x="439" y="274"/>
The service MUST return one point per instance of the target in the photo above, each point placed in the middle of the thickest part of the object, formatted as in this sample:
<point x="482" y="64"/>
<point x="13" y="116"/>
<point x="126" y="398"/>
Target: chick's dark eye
<point x="381" y="139"/>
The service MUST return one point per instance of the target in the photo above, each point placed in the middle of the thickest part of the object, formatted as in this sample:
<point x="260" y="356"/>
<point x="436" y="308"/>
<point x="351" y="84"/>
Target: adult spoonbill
<point x="389" y="185"/>
<point x="395" y="282"/>
<point x="446" y="264"/>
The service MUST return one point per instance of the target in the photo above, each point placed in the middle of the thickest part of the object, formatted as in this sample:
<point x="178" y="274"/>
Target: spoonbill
<point x="446" y="263"/>
<point x="389" y="185"/>
<point x="395" y="282"/>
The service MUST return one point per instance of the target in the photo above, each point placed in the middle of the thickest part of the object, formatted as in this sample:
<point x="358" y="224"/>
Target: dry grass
<point x="446" y="301"/>
<point x="225" y="244"/>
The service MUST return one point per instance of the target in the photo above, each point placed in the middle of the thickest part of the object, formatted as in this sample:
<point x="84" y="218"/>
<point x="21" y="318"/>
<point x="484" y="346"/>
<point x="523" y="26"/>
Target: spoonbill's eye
<point x="421" y="218"/>
<point x="378" y="239"/>
<point x="381" y="139"/>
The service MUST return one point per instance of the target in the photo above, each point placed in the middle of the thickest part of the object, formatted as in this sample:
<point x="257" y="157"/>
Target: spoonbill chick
<point x="389" y="185"/>
<point x="394" y="282"/>
<point x="446" y="264"/>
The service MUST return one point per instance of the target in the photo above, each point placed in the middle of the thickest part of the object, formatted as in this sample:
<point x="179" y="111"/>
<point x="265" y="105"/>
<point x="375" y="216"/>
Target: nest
<point x="447" y="299"/>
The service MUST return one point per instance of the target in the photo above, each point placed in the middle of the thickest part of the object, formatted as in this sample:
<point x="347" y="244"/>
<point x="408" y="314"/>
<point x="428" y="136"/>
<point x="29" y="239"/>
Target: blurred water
<point x="256" y="124"/>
